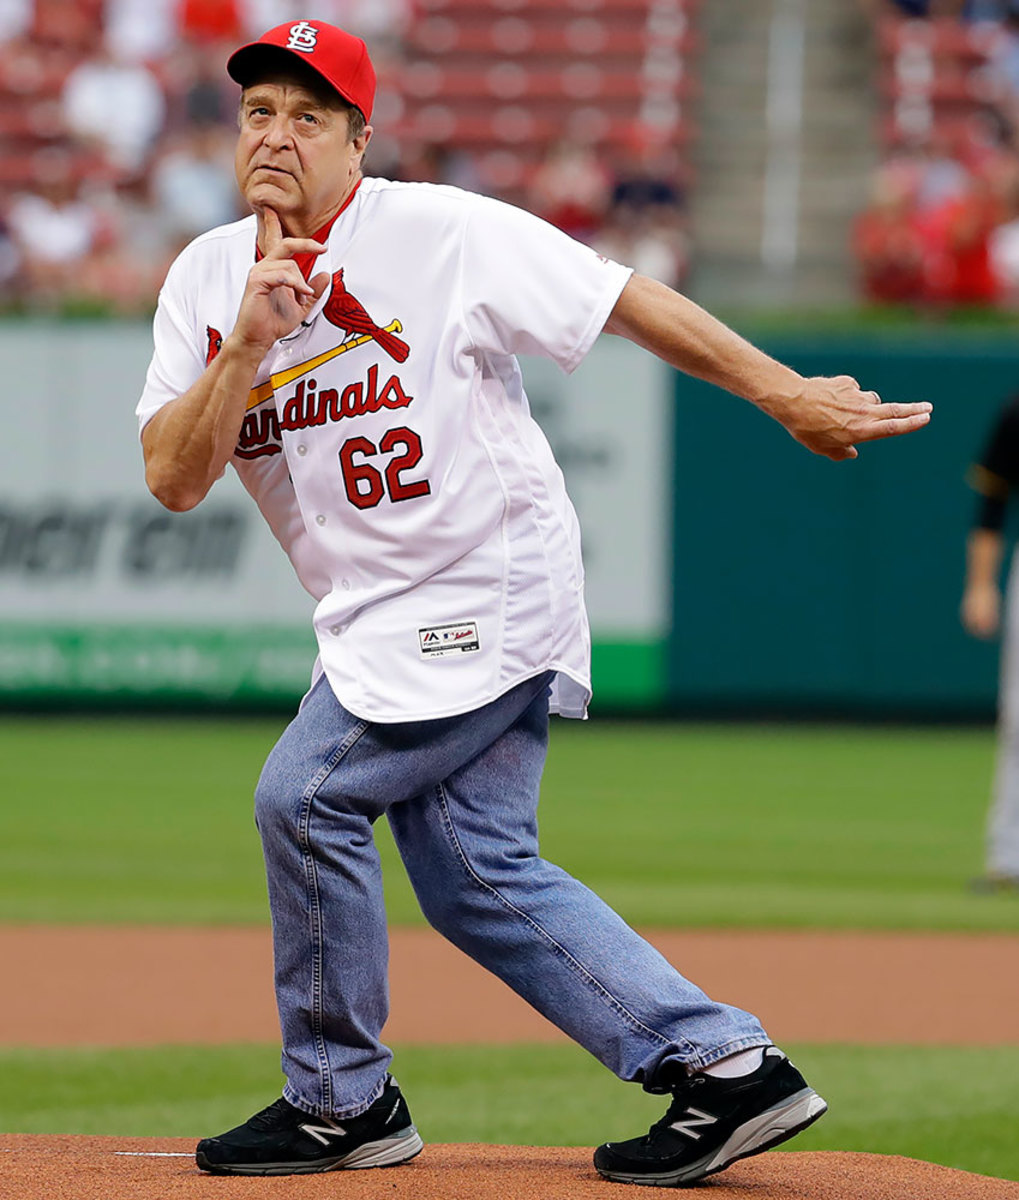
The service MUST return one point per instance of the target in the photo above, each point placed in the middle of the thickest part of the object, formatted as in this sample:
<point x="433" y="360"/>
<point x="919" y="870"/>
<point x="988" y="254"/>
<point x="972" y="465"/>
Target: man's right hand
<point x="277" y="298"/>
<point x="981" y="609"/>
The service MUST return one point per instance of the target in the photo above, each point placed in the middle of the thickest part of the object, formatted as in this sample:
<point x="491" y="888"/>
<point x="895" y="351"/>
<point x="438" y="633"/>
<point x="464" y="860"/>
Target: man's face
<point x="293" y="153"/>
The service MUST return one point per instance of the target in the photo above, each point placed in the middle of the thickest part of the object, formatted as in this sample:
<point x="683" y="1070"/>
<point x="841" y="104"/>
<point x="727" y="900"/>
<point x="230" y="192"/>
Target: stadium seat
<point x="507" y="80"/>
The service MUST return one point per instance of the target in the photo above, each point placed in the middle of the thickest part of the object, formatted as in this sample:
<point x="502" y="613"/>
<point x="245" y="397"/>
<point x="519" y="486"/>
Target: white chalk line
<point x="127" y="1153"/>
<point x="152" y="1154"/>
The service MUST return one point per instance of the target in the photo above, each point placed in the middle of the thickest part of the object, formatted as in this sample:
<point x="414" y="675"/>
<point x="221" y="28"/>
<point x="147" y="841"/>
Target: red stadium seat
<point x="507" y="80"/>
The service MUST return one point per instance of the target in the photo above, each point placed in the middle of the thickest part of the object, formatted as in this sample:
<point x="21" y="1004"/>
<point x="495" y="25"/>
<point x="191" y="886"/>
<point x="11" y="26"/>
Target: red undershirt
<point x="307" y="261"/>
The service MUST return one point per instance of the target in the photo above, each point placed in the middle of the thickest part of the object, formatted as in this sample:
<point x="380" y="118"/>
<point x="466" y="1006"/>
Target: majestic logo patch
<point x="302" y="37"/>
<point x="440" y="640"/>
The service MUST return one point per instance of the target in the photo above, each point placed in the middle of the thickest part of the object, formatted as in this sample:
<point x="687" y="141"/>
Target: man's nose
<point x="278" y="133"/>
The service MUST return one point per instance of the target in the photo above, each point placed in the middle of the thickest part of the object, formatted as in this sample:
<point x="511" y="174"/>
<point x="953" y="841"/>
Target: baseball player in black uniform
<point x="995" y="476"/>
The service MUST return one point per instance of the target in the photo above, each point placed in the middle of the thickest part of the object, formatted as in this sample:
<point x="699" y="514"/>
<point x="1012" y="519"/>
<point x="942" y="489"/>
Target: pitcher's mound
<point x="105" y="1168"/>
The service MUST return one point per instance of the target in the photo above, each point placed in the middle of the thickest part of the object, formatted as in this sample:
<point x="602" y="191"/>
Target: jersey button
<point x="334" y="630"/>
<point x="346" y="585"/>
<point x="302" y="450"/>
<point x="320" y="519"/>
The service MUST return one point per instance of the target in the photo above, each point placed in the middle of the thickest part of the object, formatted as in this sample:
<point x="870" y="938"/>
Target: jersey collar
<point x="306" y="262"/>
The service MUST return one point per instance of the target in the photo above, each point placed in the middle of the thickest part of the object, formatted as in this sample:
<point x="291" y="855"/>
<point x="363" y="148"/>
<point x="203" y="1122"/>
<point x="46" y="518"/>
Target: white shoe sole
<point x="760" y="1133"/>
<point x="390" y="1152"/>
<point x="386" y="1152"/>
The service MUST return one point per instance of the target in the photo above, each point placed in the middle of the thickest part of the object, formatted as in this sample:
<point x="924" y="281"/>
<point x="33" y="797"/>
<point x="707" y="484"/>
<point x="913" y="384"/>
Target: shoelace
<point x="277" y="1114"/>
<point x="680" y="1101"/>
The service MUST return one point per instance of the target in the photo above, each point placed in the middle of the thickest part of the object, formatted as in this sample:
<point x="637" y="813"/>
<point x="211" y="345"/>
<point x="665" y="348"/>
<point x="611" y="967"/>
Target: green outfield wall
<point x="728" y="571"/>
<point x="806" y="586"/>
<point x="108" y="600"/>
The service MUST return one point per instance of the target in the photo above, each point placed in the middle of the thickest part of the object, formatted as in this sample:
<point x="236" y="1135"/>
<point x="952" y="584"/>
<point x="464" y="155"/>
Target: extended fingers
<point x="274" y="273"/>
<point x="892" y="420"/>
<point x="289" y="246"/>
<point x="892" y="411"/>
<point x="270" y="230"/>
<point x="274" y="244"/>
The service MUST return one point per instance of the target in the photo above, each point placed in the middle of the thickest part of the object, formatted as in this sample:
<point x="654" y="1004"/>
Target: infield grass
<point x="947" y="1105"/>
<point x="149" y="820"/>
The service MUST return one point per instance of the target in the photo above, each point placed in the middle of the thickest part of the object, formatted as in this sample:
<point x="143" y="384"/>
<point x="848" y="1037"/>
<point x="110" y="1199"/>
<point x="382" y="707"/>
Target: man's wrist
<point x="779" y="392"/>
<point x="244" y="351"/>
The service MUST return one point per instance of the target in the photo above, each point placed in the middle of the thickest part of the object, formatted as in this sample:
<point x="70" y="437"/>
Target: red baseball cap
<point x="339" y="57"/>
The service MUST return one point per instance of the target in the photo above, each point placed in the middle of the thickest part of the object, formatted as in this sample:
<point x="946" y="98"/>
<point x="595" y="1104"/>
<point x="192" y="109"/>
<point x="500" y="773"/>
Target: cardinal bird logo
<point x="346" y="311"/>
<point x="215" y="343"/>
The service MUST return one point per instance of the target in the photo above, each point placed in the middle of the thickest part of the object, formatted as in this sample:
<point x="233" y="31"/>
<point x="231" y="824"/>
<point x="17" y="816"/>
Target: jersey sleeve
<point x="528" y="288"/>
<point x="996" y="472"/>
<point x="178" y="358"/>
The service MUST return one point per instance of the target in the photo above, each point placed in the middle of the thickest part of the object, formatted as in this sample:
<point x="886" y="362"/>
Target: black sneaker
<point x="712" y="1122"/>
<point x="283" y="1140"/>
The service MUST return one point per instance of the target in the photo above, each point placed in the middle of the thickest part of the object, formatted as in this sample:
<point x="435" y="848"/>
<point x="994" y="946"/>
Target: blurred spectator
<point x="193" y="184"/>
<point x="210" y="21"/>
<point x="941" y="177"/>
<point x="646" y="225"/>
<point x="955" y="189"/>
<point x="571" y="189"/>
<point x="1003" y="69"/>
<point x="116" y="106"/>
<point x="1004" y="249"/>
<point x="140" y="30"/>
<point x="10" y="264"/>
<point x="54" y="229"/>
<point x="913" y="8"/>
<point x="113" y="279"/>
<point x="140" y="86"/>
<point x="199" y="91"/>
<point x="988" y="10"/>
<point x="379" y="22"/>
<point x="429" y="162"/>
<point x="648" y="176"/>
<point x="73" y="24"/>
<point x="15" y="18"/>
<point x="959" y="233"/>
<point x="888" y="243"/>
<point x="652" y="243"/>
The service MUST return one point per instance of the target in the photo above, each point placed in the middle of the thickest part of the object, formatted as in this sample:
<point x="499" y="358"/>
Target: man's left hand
<point x="831" y="415"/>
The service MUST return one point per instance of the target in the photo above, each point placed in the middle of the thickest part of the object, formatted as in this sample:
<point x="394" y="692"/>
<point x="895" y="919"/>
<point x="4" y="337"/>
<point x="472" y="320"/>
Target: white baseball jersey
<point x="389" y="444"/>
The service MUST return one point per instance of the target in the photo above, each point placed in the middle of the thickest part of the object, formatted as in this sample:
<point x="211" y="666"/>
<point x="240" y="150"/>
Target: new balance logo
<point x="696" y="1120"/>
<point x="324" y="1132"/>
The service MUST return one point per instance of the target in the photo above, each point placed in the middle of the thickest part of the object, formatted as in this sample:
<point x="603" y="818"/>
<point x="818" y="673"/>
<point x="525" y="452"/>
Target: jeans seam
<point x="315" y="908"/>
<point x="597" y="987"/>
<point x="357" y="1110"/>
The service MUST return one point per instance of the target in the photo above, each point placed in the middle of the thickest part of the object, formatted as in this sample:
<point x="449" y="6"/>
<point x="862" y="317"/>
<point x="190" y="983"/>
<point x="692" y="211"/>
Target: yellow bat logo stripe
<point x="265" y="391"/>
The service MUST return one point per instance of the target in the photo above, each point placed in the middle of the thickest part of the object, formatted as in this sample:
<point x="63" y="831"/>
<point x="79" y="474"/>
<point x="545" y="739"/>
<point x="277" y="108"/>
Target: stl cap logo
<point x="302" y="37"/>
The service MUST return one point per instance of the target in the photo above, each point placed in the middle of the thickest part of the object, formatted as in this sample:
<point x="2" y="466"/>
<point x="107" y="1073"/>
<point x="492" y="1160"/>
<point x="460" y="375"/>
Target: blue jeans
<point x="461" y="796"/>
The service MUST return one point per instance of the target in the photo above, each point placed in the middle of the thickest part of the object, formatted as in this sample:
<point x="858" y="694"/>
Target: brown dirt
<point x="139" y="986"/>
<point x="85" y="985"/>
<point x="66" y="1168"/>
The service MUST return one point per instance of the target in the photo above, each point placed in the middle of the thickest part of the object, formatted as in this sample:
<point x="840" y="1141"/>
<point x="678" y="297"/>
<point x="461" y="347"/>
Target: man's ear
<point x="362" y="140"/>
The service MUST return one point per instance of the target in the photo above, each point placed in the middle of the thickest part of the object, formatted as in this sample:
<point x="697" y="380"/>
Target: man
<point x="994" y="477"/>
<point x="351" y="350"/>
